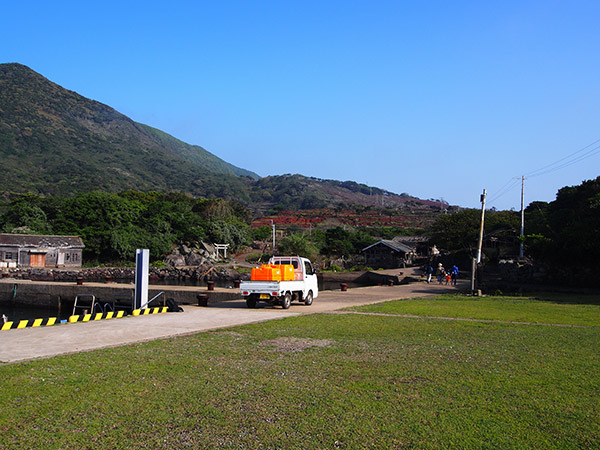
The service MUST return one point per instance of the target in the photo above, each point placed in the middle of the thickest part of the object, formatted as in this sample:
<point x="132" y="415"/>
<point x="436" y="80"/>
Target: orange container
<point x="266" y="272"/>
<point x="287" y="272"/>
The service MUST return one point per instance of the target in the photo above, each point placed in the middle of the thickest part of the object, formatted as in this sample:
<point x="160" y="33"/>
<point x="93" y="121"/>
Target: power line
<point x="586" y="155"/>
<point x="568" y="160"/>
<point x="509" y="186"/>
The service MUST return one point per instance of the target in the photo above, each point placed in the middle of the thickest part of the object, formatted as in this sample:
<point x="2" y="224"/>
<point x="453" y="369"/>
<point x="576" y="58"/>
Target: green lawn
<point x="544" y="308"/>
<point x="318" y="382"/>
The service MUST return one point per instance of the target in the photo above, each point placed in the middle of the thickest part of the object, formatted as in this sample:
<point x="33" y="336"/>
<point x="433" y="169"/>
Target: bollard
<point x="79" y="281"/>
<point x="236" y="283"/>
<point x="202" y="299"/>
<point x="211" y="285"/>
<point x="343" y="287"/>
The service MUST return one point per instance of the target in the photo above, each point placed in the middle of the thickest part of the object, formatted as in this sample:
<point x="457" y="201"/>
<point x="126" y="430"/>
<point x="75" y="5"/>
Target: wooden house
<point x="419" y="244"/>
<point x="388" y="254"/>
<point x="25" y="250"/>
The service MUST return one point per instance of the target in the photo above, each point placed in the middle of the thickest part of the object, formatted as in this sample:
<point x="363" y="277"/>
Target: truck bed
<point x="257" y="287"/>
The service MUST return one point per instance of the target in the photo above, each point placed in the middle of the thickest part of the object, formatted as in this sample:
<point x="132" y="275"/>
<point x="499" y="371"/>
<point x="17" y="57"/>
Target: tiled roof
<point x="40" y="241"/>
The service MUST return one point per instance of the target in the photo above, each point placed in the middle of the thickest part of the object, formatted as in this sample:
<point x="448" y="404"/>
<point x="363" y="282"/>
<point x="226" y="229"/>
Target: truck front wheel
<point x="286" y="301"/>
<point x="308" y="299"/>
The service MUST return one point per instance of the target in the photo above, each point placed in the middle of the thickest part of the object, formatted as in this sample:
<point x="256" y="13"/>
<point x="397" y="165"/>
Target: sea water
<point x="15" y="313"/>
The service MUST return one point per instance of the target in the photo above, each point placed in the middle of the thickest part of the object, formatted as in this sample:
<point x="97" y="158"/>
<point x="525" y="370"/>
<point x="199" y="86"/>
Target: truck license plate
<point x="265" y="296"/>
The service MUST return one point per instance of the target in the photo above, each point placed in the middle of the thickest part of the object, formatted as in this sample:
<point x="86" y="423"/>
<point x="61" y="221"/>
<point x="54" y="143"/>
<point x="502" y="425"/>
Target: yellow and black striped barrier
<point x="146" y="311"/>
<point x="97" y="316"/>
<point x="31" y="323"/>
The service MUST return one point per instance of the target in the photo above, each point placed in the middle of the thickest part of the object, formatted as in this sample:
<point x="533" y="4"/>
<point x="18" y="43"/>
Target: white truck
<point x="302" y="288"/>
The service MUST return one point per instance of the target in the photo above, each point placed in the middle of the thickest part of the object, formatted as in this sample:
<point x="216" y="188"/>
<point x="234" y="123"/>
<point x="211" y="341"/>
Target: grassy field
<point x="348" y="381"/>
<point x="544" y="308"/>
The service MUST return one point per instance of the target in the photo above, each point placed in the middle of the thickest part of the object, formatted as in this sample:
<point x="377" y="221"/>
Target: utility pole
<point x="273" y="227"/>
<point x="521" y="245"/>
<point x="477" y="260"/>
<point x="481" y="229"/>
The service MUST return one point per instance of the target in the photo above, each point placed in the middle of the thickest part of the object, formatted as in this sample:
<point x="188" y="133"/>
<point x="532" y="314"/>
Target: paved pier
<point x="44" y="342"/>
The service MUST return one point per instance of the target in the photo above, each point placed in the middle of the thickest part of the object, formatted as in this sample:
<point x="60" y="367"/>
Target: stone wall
<point x="514" y="272"/>
<point x="197" y="274"/>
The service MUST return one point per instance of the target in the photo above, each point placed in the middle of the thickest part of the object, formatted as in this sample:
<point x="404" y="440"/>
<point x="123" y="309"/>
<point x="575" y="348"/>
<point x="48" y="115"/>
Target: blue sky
<point x="436" y="99"/>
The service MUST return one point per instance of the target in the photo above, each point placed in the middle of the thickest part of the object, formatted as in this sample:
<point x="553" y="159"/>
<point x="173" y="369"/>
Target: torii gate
<point x="221" y="247"/>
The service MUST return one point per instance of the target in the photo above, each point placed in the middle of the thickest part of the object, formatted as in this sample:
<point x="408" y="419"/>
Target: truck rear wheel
<point x="286" y="301"/>
<point x="251" y="301"/>
<point x="308" y="299"/>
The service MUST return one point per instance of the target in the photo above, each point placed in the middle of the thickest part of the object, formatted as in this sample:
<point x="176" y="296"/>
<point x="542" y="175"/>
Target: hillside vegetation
<point x="114" y="225"/>
<point x="55" y="142"/>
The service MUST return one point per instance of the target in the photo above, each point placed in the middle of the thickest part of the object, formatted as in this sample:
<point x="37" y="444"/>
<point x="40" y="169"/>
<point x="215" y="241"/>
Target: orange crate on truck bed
<point x="266" y="272"/>
<point x="287" y="272"/>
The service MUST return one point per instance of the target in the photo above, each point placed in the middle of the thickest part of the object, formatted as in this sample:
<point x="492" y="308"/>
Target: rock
<point x="175" y="259"/>
<point x="193" y="259"/>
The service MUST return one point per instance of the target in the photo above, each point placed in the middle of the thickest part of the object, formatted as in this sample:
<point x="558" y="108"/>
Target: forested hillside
<point x="566" y="231"/>
<point x="113" y="226"/>
<point x="54" y="142"/>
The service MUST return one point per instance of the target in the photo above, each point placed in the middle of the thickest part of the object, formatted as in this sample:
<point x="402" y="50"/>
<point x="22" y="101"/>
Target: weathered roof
<point x="394" y="245"/>
<point x="40" y="241"/>
<point x="413" y="239"/>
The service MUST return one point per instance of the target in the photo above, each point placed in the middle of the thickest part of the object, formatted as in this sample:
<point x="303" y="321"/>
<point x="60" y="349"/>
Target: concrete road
<point x="44" y="342"/>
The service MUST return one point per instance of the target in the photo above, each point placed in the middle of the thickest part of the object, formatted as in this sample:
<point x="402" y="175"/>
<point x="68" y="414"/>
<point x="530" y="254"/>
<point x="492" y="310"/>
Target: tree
<point x="565" y="230"/>
<point x="95" y="216"/>
<point x="261" y="233"/>
<point x="234" y="234"/>
<point x="25" y="216"/>
<point x="456" y="231"/>
<point x="460" y="230"/>
<point x="338" y="242"/>
<point x="297" y="244"/>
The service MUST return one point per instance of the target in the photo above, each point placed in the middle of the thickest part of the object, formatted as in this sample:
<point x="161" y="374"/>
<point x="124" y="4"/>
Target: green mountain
<point x="54" y="141"/>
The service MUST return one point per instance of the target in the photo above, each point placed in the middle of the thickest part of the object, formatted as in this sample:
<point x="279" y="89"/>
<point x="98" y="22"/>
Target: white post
<point x="481" y="229"/>
<point x="142" y="269"/>
<point x="521" y="246"/>
<point x="273" y="226"/>
<point x="473" y="270"/>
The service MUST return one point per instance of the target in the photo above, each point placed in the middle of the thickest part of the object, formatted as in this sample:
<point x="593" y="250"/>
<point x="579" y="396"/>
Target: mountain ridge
<point x="76" y="144"/>
<point x="40" y="119"/>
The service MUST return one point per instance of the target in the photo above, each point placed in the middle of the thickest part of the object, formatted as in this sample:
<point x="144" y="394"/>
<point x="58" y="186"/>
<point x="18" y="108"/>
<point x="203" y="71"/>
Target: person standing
<point x="454" y="274"/>
<point x="428" y="272"/>
<point x="440" y="273"/>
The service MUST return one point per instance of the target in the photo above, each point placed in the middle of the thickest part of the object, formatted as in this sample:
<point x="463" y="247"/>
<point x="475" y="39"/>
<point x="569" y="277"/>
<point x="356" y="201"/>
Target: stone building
<point x="25" y="250"/>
